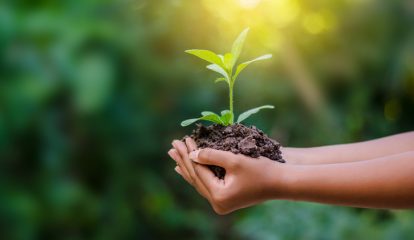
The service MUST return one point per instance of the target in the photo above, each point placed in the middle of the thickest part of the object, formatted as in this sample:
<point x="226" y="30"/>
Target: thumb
<point x="210" y="156"/>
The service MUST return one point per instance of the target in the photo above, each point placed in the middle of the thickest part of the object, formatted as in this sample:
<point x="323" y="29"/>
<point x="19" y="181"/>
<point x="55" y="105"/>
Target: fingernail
<point x="194" y="155"/>
<point x="172" y="155"/>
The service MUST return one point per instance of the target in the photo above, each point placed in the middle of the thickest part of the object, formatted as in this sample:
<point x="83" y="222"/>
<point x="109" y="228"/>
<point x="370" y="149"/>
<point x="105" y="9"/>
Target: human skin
<point x="351" y="152"/>
<point x="372" y="174"/>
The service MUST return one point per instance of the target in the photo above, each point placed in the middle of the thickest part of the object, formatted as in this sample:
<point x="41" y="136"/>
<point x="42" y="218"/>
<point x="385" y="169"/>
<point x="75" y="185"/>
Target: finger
<point x="180" y="172"/>
<point x="172" y="155"/>
<point x="207" y="177"/>
<point x="177" y="158"/>
<point x="201" y="189"/>
<point x="210" y="156"/>
<point x="191" y="145"/>
<point x="183" y="151"/>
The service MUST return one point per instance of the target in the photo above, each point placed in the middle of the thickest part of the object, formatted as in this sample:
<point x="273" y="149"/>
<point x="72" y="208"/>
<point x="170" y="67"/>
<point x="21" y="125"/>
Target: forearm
<point x="351" y="152"/>
<point x="386" y="182"/>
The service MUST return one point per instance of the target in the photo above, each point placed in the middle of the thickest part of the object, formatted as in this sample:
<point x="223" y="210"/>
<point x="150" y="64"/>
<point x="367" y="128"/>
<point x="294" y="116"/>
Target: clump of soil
<point x="236" y="138"/>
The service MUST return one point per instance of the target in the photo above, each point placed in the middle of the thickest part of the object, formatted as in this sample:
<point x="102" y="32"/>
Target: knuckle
<point x="205" y="153"/>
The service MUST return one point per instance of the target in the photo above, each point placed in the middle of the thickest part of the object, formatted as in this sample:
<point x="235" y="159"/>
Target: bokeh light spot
<point x="286" y="12"/>
<point x="314" y="23"/>
<point x="249" y="4"/>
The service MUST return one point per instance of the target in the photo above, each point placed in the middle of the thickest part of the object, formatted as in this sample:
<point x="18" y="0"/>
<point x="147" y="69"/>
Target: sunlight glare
<point x="286" y="12"/>
<point x="249" y="4"/>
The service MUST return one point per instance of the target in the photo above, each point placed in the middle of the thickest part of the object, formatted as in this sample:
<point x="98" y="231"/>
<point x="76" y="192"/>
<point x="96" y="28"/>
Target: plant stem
<point x="231" y="99"/>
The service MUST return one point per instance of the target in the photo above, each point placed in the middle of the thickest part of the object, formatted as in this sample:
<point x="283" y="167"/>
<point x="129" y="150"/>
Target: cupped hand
<point x="248" y="181"/>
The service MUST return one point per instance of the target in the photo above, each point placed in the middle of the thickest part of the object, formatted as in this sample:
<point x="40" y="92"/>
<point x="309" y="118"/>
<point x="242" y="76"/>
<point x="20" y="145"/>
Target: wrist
<point x="282" y="181"/>
<point x="293" y="155"/>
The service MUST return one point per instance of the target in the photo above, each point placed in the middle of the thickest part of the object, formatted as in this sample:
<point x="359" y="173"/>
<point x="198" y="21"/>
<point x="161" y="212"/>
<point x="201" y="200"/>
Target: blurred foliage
<point x="92" y="93"/>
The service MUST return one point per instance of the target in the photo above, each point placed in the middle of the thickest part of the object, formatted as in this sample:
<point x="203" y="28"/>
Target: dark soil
<point x="236" y="138"/>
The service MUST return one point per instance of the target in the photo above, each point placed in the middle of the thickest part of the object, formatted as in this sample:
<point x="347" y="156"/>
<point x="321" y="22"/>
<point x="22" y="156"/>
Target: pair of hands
<point x="372" y="174"/>
<point x="248" y="181"/>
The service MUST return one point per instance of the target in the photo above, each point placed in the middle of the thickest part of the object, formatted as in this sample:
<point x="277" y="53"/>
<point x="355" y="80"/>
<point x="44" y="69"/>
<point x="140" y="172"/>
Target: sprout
<point x="224" y="65"/>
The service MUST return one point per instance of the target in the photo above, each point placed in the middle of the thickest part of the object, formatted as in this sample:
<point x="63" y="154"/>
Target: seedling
<point x="224" y="65"/>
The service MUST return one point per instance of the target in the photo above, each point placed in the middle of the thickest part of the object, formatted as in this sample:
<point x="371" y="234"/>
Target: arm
<point x="386" y="182"/>
<point x="351" y="152"/>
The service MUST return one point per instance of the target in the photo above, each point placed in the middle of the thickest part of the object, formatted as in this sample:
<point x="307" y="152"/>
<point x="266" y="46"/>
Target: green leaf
<point x="207" y="55"/>
<point x="187" y="122"/>
<point x="238" y="45"/>
<point x="245" y="64"/>
<point x="207" y="116"/>
<point x="218" y="69"/>
<point x="212" y="117"/>
<point x="206" y="113"/>
<point x="228" y="61"/>
<point x="227" y="117"/>
<point x="220" y="80"/>
<point x="248" y="113"/>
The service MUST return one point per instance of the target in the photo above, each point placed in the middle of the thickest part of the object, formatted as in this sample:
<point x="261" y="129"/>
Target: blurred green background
<point x="92" y="94"/>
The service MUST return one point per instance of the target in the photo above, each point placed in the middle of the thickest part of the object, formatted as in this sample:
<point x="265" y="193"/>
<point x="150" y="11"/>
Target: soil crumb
<point x="236" y="138"/>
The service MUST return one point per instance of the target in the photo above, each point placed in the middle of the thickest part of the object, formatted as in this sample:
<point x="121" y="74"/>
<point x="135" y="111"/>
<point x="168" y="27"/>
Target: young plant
<point x="224" y="65"/>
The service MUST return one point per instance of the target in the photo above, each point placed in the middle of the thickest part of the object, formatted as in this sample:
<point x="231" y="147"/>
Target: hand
<point x="248" y="181"/>
<point x="185" y="167"/>
<point x="380" y="182"/>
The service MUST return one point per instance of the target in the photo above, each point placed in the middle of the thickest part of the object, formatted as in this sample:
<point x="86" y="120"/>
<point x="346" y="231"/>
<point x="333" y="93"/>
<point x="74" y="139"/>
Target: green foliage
<point x="250" y="112"/>
<point x="242" y="66"/>
<point x="238" y="45"/>
<point x="224" y="66"/>
<point x="225" y="119"/>
<point x="338" y="223"/>
<point x="207" y="116"/>
<point x="207" y="55"/>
